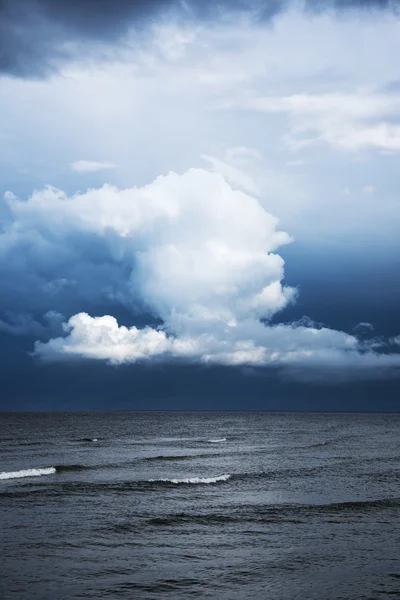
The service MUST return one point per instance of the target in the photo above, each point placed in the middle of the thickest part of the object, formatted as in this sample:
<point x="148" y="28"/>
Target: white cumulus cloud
<point x="302" y="352"/>
<point x="198" y="250"/>
<point x="201" y="256"/>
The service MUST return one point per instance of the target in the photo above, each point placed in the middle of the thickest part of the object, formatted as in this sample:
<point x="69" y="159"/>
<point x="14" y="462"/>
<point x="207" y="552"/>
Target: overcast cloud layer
<point x="37" y="36"/>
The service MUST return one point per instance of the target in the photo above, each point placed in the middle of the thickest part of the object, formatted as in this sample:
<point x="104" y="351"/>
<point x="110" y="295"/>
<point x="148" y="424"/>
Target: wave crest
<point x="28" y="473"/>
<point x="195" y="480"/>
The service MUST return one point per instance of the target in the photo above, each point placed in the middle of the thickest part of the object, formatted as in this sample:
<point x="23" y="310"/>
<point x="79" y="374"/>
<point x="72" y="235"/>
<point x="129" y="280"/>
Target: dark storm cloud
<point x="37" y="36"/>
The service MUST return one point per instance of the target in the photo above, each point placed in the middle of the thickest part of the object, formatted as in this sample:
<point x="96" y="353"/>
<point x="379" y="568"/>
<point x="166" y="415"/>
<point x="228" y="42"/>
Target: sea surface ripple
<point x="208" y="505"/>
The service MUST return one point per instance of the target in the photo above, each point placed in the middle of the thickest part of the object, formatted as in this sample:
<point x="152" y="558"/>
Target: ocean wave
<point x="39" y="471"/>
<point x="71" y="468"/>
<point x="171" y="458"/>
<point x="195" y="480"/>
<point x="217" y="441"/>
<point x="28" y="473"/>
<point x="167" y="457"/>
<point x="212" y="519"/>
<point x="358" y="505"/>
<point x="68" y="468"/>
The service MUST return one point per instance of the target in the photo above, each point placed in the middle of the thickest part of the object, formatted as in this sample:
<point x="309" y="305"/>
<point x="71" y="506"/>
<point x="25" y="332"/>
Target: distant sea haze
<point x="207" y="505"/>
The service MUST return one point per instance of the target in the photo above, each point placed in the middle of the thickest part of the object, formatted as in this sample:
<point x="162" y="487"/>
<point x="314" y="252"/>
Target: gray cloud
<point x="27" y="324"/>
<point x="38" y="36"/>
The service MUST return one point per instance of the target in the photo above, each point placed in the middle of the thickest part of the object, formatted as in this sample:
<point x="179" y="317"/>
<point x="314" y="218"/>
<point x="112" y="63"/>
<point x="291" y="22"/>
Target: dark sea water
<point x="207" y="505"/>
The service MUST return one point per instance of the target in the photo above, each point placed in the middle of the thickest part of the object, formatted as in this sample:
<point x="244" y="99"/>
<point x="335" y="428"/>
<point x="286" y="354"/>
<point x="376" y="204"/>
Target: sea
<point x="180" y="505"/>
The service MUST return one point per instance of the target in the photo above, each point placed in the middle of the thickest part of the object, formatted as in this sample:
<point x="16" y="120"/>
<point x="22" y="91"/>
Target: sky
<point x="199" y="205"/>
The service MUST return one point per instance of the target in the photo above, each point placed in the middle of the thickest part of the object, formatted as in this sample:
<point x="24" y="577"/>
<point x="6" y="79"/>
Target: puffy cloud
<point x="90" y="166"/>
<point x="187" y="247"/>
<point x="199" y="255"/>
<point x="102" y="338"/>
<point x="302" y="352"/>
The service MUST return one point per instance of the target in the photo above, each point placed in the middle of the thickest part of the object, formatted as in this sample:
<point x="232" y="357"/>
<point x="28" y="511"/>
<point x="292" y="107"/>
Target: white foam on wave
<point x="195" y="479"/>
<point x="27" y="473"/>
<point x="217" y="441"/>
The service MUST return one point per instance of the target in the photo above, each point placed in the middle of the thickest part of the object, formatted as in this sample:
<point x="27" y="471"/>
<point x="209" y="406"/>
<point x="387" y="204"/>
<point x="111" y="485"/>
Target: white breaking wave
<point x="195" y="479"/>
<point x="27" y="473"/>
<point x="218" y="441"/>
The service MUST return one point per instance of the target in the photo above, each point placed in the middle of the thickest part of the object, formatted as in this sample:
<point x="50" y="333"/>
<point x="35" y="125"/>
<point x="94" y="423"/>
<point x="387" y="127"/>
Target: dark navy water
<point x="207" y="505"/>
